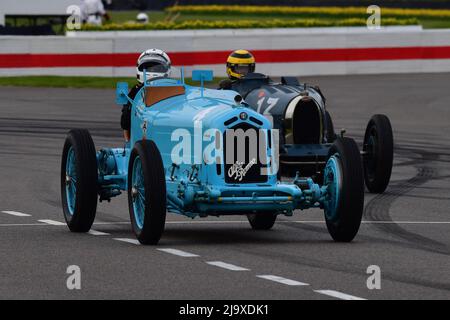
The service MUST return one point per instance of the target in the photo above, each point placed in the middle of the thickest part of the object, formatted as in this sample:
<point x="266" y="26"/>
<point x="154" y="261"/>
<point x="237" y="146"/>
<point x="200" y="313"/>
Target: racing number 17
<point x="271" y="102"/>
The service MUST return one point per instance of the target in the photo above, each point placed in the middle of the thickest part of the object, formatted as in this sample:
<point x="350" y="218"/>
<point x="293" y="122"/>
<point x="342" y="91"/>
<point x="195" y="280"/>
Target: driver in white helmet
<point x="156" y="64"/>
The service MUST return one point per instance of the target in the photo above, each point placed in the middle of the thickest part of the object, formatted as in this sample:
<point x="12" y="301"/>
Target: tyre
<point x="378" y="153"/>
<point x="147" y="192"/>
<point x="344" y="201"/>
<point x="331" y="135"/>
<point x="261" y="221"/>
<point x="79" y="180"/>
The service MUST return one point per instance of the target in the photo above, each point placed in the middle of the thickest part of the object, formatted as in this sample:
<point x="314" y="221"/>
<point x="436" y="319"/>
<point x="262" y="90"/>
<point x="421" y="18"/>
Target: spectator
<point x="92" y="12"/>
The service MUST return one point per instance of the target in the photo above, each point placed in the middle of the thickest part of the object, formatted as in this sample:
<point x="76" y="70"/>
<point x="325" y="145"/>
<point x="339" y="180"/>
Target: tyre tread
<point x="351" y="206"/>
<point x="155" y="192"/>
<point x="385" y="150"/>
<point x="87" y="187"/>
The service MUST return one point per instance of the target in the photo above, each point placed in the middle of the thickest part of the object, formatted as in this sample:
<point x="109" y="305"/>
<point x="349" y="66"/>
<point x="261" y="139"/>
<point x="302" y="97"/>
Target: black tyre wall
<point x="377" y="179"/>
<point x="87" y="180"/>
<point x="262" y="220"/>
<point x="351" y="205"/>
<point x="155" y="192"/>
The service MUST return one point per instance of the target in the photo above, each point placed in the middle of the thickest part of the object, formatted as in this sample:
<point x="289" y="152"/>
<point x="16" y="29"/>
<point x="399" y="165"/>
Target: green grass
<point x="428" y="23"/>
<point x="124" y="16"/>
<point x="77" y="82"/>
<point x="127" y="16"/>
<point x="63" y="81"/>
<point x="155" y="16"/>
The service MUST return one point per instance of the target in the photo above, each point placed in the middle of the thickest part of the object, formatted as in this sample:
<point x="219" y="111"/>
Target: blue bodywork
<point x="197" y="187"/>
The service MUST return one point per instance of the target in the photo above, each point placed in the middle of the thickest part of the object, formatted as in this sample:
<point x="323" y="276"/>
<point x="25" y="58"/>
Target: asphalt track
<point x="406" y="231"/>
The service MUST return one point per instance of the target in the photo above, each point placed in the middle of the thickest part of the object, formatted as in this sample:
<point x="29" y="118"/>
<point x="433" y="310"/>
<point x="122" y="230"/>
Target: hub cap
<point x="71" y="181"/>
<point x="138" y="193"/>
<point x="333" y="181"/>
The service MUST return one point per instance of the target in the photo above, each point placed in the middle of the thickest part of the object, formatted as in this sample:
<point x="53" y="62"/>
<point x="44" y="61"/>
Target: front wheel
<point x="147" y="192"/>
<point x="79" y="179"/>
<point x="344" y="200"/>
<point x="378" y="153"/>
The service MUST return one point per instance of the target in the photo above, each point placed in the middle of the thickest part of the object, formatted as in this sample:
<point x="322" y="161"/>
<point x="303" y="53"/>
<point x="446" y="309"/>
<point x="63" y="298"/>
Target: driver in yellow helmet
<point x="239" y="64"/>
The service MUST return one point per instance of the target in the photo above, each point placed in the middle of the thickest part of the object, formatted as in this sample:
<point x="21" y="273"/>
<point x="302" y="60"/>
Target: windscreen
<point x="174" y="77"/>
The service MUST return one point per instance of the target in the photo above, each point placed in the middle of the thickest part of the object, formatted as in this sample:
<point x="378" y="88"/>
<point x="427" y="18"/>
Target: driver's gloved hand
<point x="225" y="84"/>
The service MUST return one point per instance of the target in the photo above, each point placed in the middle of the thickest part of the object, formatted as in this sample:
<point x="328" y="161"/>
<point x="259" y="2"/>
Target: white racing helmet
<point x="156" y="64"/>
<point x="142" y="17"/>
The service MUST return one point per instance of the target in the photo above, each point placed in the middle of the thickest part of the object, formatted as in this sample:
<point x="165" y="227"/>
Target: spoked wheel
<point x="138" y="193"/>
<point x="344" y="203"/>
<point x="79" y="181"/>
<point x="147" y="192"/>
<point x="378" y="153"/>
<point x="262" y="220"/>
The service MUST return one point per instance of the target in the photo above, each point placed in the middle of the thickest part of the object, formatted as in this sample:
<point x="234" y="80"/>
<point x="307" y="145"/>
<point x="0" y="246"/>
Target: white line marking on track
<point x="315" y="221"/>
<point x="17" y="214"/>
<point x="282" y="280"/>
<point x="227" y="266"/>
<point x="97" y="233"/>
<point x="406" y="222"/>
<point x="179" y="253"/>
<point x="128" y="240"/>
<point x="339" y="295"/>
<point x="224" y="222"/>
<point x="23" y="224"/>
<point x="378" y="222"/>
<point x="52" y="222"/>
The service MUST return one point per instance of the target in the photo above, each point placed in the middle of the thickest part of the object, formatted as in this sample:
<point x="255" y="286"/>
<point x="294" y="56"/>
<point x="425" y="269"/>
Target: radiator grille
<point x="244" y="168"/>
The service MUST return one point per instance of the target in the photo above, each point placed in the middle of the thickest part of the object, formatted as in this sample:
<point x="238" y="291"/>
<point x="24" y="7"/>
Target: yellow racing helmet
<point x="239" y="64"/>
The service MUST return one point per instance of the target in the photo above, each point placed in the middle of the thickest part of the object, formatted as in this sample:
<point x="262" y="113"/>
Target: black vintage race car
<point x="306" y="128"/>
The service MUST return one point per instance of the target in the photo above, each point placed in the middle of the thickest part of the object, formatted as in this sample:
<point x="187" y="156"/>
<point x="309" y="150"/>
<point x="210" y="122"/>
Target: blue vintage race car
<point x="201" y="152"/>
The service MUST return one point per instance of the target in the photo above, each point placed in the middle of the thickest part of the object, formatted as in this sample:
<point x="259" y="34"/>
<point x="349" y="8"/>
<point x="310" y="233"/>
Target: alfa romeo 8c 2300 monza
<point x="203" y="152"/>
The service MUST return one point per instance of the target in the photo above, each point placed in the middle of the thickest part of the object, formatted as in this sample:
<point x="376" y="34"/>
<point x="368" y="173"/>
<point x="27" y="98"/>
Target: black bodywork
<point x="298" y="111"/>
<point x="306" y="131"/>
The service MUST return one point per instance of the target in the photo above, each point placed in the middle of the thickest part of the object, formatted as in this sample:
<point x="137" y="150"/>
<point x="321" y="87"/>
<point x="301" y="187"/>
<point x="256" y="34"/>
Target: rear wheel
<point x="378" y="153"/>
<point x="147" y="192"/>
<point x="79" y="179"/>
<point x="344" y="204"/>
<point x="262" y="221"/>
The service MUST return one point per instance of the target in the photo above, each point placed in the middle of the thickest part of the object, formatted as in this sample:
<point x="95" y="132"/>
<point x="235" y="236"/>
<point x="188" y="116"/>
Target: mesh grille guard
<point x="247" y="168"/>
